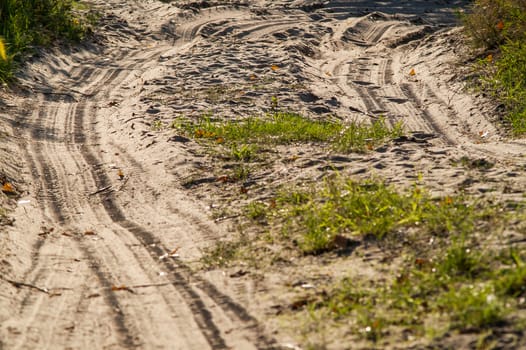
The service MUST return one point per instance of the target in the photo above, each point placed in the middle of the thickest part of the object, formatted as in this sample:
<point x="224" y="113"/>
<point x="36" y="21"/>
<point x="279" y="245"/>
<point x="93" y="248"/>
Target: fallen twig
<point x="100" y="190"/>
<point x="124" y="181"/>
<point x="151" y="285"/>
<point x="23" y="284"/>
<point x="132" y="118"/>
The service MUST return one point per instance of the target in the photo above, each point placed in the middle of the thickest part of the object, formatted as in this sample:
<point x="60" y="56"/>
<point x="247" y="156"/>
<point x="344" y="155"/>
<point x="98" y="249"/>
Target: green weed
<point x="357" y="136"/>
<point x="244" y="153"/>
<point x="256" y="211"/>
<point x="461" y="261"/>
<point x="157" y="125"/>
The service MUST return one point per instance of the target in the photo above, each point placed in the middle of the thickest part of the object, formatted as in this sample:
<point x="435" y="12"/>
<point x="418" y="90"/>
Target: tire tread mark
<point x="407" y="89"/>
<point x="201" y="315"/>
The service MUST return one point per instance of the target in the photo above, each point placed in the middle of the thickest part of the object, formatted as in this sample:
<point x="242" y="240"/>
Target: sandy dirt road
<point x="109" y="235"/>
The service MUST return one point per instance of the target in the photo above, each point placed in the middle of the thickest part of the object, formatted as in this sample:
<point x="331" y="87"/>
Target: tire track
<point x="111" y="78"/>
<point x="179" y="270"/>
<point x="189" y="30"/>
<point x="47" y="171"/>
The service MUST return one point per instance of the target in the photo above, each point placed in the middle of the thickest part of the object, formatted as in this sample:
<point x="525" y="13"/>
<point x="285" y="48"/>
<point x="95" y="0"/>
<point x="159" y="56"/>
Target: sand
<point x="107" y="230"/>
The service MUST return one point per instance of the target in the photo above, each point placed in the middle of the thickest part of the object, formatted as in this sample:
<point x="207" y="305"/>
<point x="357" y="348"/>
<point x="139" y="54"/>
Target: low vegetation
<point x="499" y="28"/>
<point x="24" y="23"/>
<point x="447" y="276"/>
<point x="462" y="288"/>
<point x="317" y="218"/>
<point x="285" y="128"/>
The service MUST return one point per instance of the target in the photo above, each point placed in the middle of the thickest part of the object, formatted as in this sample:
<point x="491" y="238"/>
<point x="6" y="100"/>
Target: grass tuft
<point x="24" y="23"/>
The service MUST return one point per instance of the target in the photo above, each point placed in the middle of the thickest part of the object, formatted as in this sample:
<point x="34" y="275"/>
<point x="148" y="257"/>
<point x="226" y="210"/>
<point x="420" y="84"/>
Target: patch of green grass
<point x="357" y="136"/>
<point x="472" y="307"/>
<point x="34" y="22"/>
<point x="287" y="128"/>
<point x="418" y="300"/>
<point x="454" y="284"/>
<point x="280" y="128"/>
<point x="500" y="26"/>
<point x="256" y="211"/>
<point x="368" y="208"/>
<point x="508" y="82"/>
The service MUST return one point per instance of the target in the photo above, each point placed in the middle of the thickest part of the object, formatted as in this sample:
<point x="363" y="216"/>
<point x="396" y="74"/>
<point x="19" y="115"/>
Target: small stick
<point x="100" y="190"/>
<point x="152" y="285"/>
<point x="133" y="118"/>
<point x="124" y="181"/>
<point x="23" y="284"/>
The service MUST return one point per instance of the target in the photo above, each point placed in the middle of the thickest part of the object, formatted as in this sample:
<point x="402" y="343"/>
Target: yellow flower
<point x="3" y="54"/>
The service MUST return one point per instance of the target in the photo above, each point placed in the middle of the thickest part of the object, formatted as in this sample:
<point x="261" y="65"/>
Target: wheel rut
<point x="63" y="158"/>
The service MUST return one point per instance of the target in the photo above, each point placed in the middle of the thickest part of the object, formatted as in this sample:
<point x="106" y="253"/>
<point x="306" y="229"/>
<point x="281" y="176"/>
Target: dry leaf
<point x="500" y="25"/>
<point x="252" y="77"/>
<point x="421" y="262"/>
<point x="447" y="200"/>
<point x="89" y="233"/>
<point x="412" y="72"/>
<point x="223" y="178"/>
<point x="220" y="140"/>
<point x="489" y="58"/>
<point x="121" y="287"/>
<point x="274" y="67"/>
<point x="8" y="188"/>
